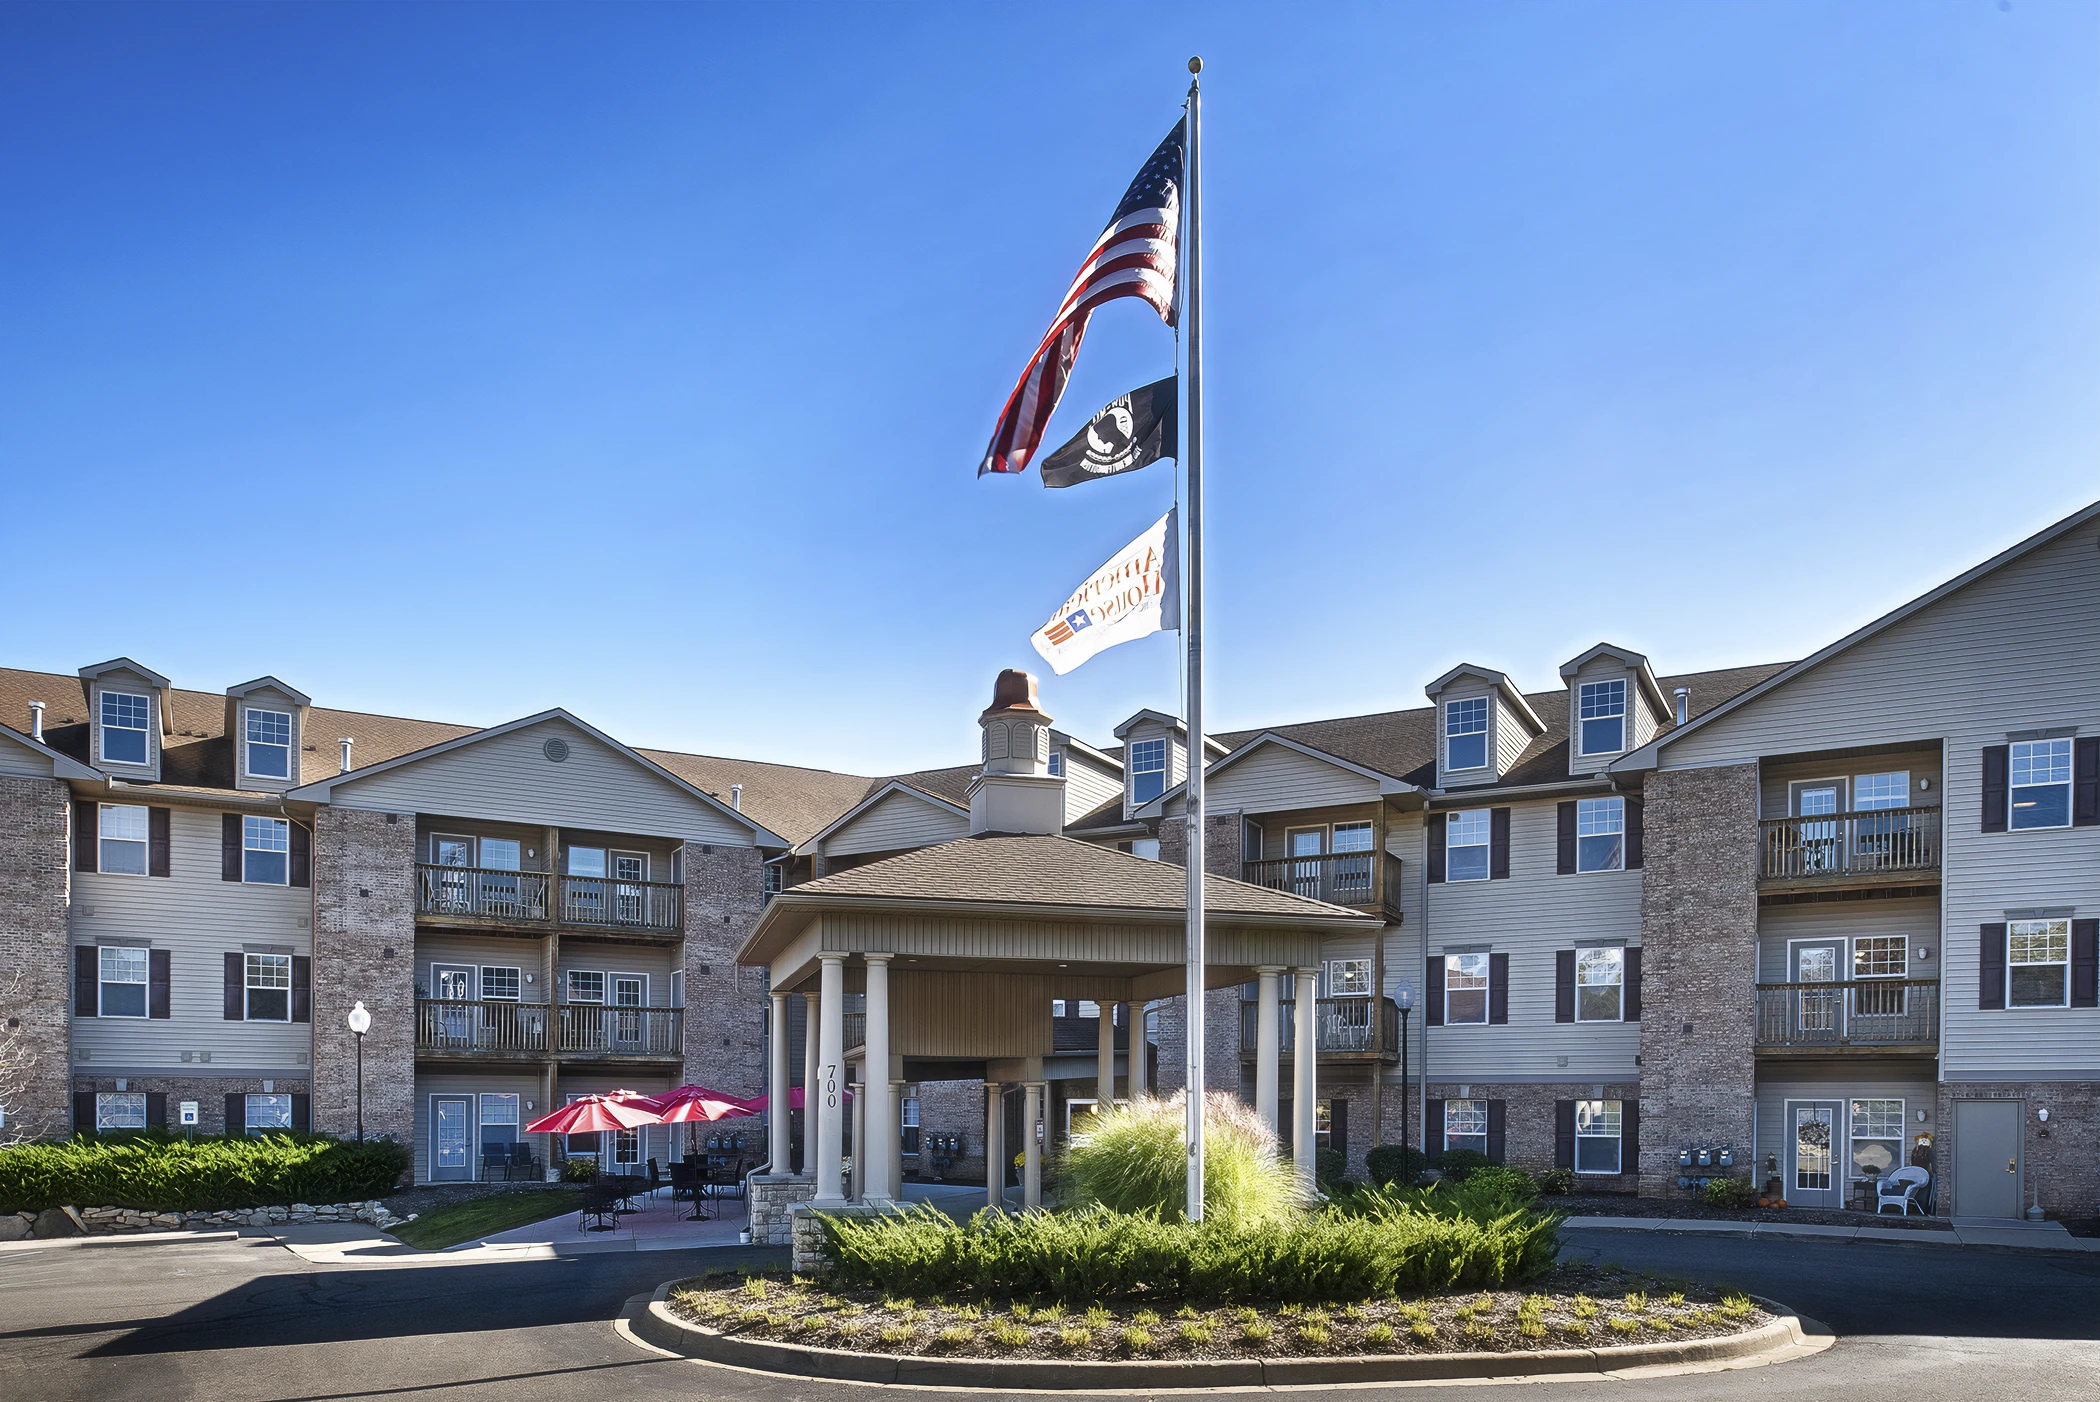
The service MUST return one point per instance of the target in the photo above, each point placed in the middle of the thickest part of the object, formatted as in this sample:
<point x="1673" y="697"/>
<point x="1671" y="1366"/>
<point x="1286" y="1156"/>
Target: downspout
<point x="1422" y="1096"/>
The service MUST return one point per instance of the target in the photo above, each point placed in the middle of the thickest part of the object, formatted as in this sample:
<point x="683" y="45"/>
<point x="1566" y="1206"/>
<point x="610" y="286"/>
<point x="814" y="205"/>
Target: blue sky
<point x="460" y="361"/>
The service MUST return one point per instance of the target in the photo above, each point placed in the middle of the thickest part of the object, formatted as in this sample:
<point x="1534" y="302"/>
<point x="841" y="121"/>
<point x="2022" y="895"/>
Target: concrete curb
<point x="126" y="1239"/>
<point x="1971" y="1237"/>
<point x="1788" y="1336"/>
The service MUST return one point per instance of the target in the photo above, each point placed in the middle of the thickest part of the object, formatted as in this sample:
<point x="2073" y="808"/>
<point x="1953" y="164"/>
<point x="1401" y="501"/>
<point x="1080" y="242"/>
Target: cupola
<point x="1015" y="790"/>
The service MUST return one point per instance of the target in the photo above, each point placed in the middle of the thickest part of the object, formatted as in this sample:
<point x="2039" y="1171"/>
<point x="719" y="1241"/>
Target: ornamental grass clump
<point x="1132" y="1159"/>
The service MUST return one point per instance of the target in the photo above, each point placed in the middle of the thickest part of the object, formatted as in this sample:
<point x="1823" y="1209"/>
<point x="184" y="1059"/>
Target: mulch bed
<point x="1574" y="1306"/>
<point x="1615" y="1205"/>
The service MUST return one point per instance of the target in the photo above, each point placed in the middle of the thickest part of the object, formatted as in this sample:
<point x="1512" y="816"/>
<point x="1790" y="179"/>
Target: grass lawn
<point x="478" y="1217"/>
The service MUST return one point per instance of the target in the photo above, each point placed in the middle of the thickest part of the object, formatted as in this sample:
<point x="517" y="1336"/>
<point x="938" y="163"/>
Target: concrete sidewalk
<point x="1960" y="1231"/>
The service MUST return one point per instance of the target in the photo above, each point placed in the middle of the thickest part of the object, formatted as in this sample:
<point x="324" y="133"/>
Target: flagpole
<point x="1192" y="581"/>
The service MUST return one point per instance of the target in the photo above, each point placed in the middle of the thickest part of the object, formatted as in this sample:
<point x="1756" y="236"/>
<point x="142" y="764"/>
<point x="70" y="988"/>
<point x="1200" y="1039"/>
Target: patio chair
<point x="523" y="1161"/>
<point x="656" y="1181"/>
<point x="600" y="1205"/>
<point x="1901" y="1188"/>
<point x="688" y="1179"/>
<point x="495" y="1157"/>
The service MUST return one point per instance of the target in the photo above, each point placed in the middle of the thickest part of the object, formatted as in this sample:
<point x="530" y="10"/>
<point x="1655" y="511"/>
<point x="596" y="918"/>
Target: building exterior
<point x="1800" y="921"/>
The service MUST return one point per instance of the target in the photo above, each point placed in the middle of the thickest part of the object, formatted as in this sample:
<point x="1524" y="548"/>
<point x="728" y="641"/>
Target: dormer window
<point x="1603" y="717"/>
<point x="1057" y="764"/>
<point x="1466" y="734"/>
<point x="269" y="744"/>
<point x="1148" y="770"/>
<point x="125" y="721"/>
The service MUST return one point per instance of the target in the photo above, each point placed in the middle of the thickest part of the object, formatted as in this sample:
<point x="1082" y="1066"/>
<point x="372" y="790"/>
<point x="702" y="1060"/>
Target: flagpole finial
<point x="1195" y="65"/>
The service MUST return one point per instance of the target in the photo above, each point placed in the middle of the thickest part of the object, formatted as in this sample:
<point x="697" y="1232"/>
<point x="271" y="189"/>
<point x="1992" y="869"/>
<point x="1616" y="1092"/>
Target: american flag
<point x="1134" y="257"/>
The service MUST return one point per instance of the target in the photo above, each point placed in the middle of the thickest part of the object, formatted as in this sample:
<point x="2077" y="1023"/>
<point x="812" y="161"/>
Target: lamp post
<point x="360" y="1022"/>
<point x="1404" y="996"/>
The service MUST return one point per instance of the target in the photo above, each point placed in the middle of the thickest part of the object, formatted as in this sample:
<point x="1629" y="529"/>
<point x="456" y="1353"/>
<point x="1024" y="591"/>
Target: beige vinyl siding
<point x="528" y="956"/>
<point x="941" y="1014"/>
<point x="1776" y="781"/>
<point x="2017" y="650"/>
<point x="531" y="839"/>
<point x="198" y="919"/>
<point x="1843" y="1082"/>
<point x="1917" y="918"/>
<point x="1512" y="734"/>
<point x="18" y="760"/>
<point x="895" y="822"/>
<point x="1088" y="785"/>
<point x="526" y="1085"/>
<point x="1177" y="755"/>
<point x="1531" y="917"/>
<point x="610" y="959"/>
<point x="1407" y="839"/>
<point x="1277" y="777"/>
<point x="1646" y="724"/>
<point x="507" y="778"/>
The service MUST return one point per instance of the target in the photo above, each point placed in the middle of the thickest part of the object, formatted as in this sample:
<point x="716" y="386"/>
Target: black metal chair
<point x="689" y="1180"/>
<point x="523" y="1161"/>
<point x="495" y="1157"/>
<point x="600" y="1204"/>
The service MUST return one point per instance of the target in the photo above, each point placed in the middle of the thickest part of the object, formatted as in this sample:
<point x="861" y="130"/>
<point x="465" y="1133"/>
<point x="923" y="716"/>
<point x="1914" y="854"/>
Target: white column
<point x="897" y="1140"/>
<point x="1105" y="1059"/>
<point x="857" y="1188"/>
<point x="777" y="1089"/>
<point x="811" y="1097"/>
<point x="1140" y="1069"/>
<point x="1267" y="1048"/>
<point x="1305" y="1061"/>
<point x="879" y="1116"/>
<point x="1033" y="1108"/>
<point x="995" y="1145"/>
<point x="830" y="1089"/>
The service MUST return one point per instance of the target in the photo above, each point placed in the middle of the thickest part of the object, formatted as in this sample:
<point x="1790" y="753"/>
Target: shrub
<point x="1395" y="1163"/>
<point x="1557" y="1182"/>
<point x="167" y="1173"/>
<point x="1132" y="1159"/>
<point x="1513" y="1184"/>
<point x="1728" y="1192"/>
<point x="1394" y="1244"/>
<point x="1460" y="1164"/>
<point x="578" y="1170"/>
<point x="1330" y="1169"/>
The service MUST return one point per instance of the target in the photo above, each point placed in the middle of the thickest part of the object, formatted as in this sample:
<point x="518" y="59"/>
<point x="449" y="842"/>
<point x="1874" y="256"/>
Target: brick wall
<point x="35" y="885"/>
<point x="365" y="948"/>
<point x="2064" y="1166"/>
<point x="209" y="1092"/>
<point x="952" y="1107"/>
<point x="1221" y="1006"/>
<point x="1698" y="966"/>
<point x="1528" y="1123"/>
<point x="725" y="1042"/>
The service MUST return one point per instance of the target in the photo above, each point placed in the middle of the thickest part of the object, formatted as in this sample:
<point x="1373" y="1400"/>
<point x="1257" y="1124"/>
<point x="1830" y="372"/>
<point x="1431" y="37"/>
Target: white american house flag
<point x="1134" y="257"/>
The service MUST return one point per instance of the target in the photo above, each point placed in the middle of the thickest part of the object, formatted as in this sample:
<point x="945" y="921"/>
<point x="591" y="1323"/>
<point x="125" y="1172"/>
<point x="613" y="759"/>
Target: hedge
<point x="163" y="1173"/>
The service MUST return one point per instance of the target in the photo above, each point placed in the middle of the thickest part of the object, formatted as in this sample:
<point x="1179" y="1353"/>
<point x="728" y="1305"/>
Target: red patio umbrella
<point x="689" y="1103"/>
<point x="598" y="1114"/>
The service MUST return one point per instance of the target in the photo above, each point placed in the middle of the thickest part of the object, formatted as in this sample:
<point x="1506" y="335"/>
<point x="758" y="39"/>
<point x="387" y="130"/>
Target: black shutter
<point x="236" y="1114"/>
<point x="1498" y="988"/>
<point x="2085" y="783"/>
<point x="1496" y="1110"/>
<point x="87" y="836"/>
<point x="1564" y="985"/>
<point x="302" y="863"/>
<point x="1563" y="1134"/>
<point x="157" y="970"/>
<point x="1633" y="984"/>
<point x="303" y="1113"/>
<point x="1630" y="1136"/>
<point x="83" y="1110"/>
<point x="1433" y="1009"/>
<point x="1997" y="765"/>
<point x="236" y="990"/>
<point x="1433" y="1131"/>
<point x="157" y="842"/>
<point x="1436" y="846"/>
<point x="156" y="1109"/>
<point x="1498" y="844"/>
<point x="229" y="847"/>
<point x="302" y="988"/>
<point x="1990" y="969"/>
<point x="1338" y="1126"/>
<point x="2085" y="963"/>
<point x="87" y="980"/>
<point x="1633" y="834"/>
<point x="1565" y="847"/>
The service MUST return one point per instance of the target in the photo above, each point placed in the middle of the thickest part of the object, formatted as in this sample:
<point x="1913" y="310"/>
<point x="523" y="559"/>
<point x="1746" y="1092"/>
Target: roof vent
<point x="1684" y="704"/>
<point x="736" y="797"/>
<point x="36" y="721"/>
<point x="345" y="743"/>
<point x="556" y="750"/>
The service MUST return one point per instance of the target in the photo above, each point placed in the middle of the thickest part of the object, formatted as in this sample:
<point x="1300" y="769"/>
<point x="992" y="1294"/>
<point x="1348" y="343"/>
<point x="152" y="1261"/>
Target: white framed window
<point x="1466" y="1125"/>
<point x="1466" y="845"/>
<point x="1872" y="791"/>
<point x="500" y="981"/>
<point x="586" y="985"/>
<point x="769" y="884"/>
<point x="122" y="1109"/>
<point x="1348" y="978"/>
<point x="1877" y="1138"/>
<point x="499" y="854"/>
<point x="123" y="834"/>
<point x="126" y="728"/>
<point x="269" y="987"/>
<point x="2041" y="784"/>
<point x="626" y="1148"/>
<point x="499" y="1119"/>
<point x="1466" y="733"/>
<point x="269" y="744"/>
<point x="269" y="1113"/>
<point x="1603" y="707"/>
<point x="266" y="848"/>
<point x="1351" y="837"/>
<point x="2038" y="963"/>
<point x="123" y="974"/>
<point x="1600" y="985"/>
<point x="910" y="1142"/>
<point x="1600" y="834"/>
<point x="1057" y="764"/>
<point x="1882" y="957"/>
<point x="1148" y="770"/>
<point x="1323" y="1124"/>
<point x="1465" y="988"/>
<point x="1597" y="1129"/>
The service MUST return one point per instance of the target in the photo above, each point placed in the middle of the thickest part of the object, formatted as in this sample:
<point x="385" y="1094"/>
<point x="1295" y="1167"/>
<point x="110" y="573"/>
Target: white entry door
<point x="452" y="985"/>
<point x="1819" y="1014"/>
<point x="451" y="1139"/>
<point x="630" y="993"/>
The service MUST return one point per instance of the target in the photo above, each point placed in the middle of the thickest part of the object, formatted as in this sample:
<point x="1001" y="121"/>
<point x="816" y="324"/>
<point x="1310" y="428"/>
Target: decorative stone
<point x="13" y="1228"/>
<point x="53" y="1223"/>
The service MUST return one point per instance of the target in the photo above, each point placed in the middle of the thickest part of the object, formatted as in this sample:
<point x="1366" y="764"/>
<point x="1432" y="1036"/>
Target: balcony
<point x="1342" y="1028"/>
<point x="497" y="1029"/>
<point x="1884" y="1016"/>
<point x="1367" y="881"/>
<point x="1887" y="846"/>
<point x="539" y="901"/>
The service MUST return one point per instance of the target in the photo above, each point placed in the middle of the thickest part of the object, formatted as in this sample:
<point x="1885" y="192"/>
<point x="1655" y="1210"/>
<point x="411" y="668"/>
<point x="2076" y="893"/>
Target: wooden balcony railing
<point x="1338" y="878"/>
<point x="1881" y="1012"/>
<point x="1827" y="846"/>
<point x="539" y="898"/>
<point x="497" y="1027"/>
<point x="1340" y="1025"/>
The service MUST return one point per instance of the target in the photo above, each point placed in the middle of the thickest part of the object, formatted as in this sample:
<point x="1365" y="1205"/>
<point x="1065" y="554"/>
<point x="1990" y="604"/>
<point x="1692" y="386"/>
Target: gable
<point x="899" y="819"/>
<point x="1273" y="776"/>
<point x="22" y="759"/>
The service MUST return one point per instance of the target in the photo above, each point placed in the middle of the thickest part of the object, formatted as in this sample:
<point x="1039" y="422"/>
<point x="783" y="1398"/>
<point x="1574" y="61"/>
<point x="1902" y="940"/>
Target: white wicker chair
<point x="1900" y="1188"/>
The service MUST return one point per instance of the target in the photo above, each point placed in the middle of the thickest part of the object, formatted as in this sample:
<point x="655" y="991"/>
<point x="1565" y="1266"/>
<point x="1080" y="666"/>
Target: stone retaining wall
<point x="105" y="1221"/>
<point x="772" y="1197"/>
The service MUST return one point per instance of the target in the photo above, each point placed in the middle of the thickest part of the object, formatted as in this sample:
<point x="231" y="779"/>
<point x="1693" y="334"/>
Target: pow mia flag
<point x="1131" y="432"/>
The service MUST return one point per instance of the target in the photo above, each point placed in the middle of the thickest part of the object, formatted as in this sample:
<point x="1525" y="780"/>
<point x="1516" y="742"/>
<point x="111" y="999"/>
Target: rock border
<point x="1790" y="1334"/>
<point x="114" y="1221"/>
